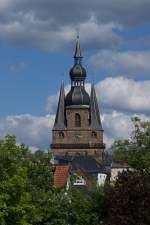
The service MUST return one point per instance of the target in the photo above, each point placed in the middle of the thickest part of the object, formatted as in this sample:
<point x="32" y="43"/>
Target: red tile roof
<point x="61" y="174"/>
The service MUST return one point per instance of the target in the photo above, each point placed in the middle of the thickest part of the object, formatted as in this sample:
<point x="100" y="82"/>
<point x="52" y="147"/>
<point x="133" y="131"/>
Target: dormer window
<point x="80" y="181"/>
<point x="77" y="120"/>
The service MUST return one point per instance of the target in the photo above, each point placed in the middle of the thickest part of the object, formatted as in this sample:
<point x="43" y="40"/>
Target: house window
<point x="61" y="134"/>
<point x="77" y="120"/>
<point x="80" y="181"/>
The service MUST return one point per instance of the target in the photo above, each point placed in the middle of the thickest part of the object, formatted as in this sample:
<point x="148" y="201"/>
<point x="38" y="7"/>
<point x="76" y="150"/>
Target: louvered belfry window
<point x="77" y="120"/>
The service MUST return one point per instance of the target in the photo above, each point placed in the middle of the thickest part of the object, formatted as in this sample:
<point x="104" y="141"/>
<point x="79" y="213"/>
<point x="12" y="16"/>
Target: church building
<point x="77" y="129"/>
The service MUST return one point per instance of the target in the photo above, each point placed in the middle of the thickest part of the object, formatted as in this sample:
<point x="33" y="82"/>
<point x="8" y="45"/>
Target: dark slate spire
<point x="77" y="72"/>
<point x="77" y="95"/>
<point x="60" y="115"/>
<point x="77" y="54"/>
<point x="94" y="110"/>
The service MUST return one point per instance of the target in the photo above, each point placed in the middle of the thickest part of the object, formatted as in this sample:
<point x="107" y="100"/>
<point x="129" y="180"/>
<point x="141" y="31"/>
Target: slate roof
<point x="61" y="174"/>
<point x="77" y="73"/>
<point x="77" y="53"/>
<point x="60" y="114"/>
<point x="86" y="163"/>
<point x="94" y="110"/>
<point x="77" y="96"/>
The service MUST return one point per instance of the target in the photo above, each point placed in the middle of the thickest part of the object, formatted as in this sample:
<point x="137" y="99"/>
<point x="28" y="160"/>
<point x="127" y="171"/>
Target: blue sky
<point x="28" y="76"/>
<point x="37" y="40"/>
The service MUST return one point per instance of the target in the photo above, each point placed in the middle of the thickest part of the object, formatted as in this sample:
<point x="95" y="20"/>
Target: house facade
<point x="118" y="167"/>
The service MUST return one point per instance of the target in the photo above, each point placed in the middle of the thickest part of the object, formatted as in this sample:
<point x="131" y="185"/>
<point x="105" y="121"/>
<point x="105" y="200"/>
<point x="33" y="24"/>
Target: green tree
<point x="27" y="196"/>
<point x="136" y="150"/>
<point x="127" y="202"/>
<point x="40" y="184"/>
<point x="15" y="200"/>
<point x="81" y="211"/>
<point x="25" y="184"/>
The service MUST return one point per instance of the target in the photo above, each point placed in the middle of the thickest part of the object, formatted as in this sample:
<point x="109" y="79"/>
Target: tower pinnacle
<point x="60" y="117"/>
<point x="77" y="54"/>
<point x="77" y="72"/>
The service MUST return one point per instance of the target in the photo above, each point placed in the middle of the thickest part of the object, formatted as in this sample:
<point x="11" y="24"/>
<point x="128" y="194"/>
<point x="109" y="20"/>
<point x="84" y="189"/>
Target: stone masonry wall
<point x="78" y="135"/>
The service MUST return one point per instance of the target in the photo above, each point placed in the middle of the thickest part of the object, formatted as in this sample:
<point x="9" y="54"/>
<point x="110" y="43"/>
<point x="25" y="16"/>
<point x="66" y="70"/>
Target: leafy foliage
<point x="128" y="200"/>
<point x="28" y="198"/>
<point x="15" y="201"/>
<point x="136" y="150"/>
<point x="84" y="209"/>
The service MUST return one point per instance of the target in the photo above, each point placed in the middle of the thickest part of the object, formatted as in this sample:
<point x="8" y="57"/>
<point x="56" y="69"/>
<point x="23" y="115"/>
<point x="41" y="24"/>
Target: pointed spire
<point x="77" y="54"/>
<point x="94" y="110"/>
<point x="60" y="114"/>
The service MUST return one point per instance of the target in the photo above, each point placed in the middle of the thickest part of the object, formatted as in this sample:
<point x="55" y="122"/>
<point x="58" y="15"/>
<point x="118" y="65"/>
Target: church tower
<point x="77" y="129"/>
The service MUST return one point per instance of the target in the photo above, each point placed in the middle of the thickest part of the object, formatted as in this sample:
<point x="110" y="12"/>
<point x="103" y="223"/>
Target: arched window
<point x="61" y="134"/>
<point x="94" y="134"/>
<point x="77" y="120"/>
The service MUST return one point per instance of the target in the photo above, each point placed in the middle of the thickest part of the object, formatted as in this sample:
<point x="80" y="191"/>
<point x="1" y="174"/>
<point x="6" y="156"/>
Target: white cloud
<point x="40" y="24"/>
<point x="118" y="126"/>
<point x="36" y="131"/>
<point x="30" y="130"/>
<point x="28" y="30"/>
<point x="52" y="102"/>
<point x="124" y="95"/>
<point x="128" y="62"/>
<point x="5" y="4"/>
<point x="99" y="35"/>
<point x="128" y="12"/>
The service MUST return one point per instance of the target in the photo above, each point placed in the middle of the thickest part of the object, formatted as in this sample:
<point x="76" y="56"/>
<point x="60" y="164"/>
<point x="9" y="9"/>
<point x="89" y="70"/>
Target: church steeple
<point x="77" y="129"/>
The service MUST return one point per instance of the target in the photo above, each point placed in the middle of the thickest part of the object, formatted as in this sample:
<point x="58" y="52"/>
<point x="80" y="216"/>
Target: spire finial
<point x="77" y="55"/>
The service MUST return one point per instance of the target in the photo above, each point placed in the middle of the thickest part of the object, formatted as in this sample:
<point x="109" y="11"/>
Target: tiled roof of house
<point x="88" y="164"/>
<point x="61" y="174"/>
